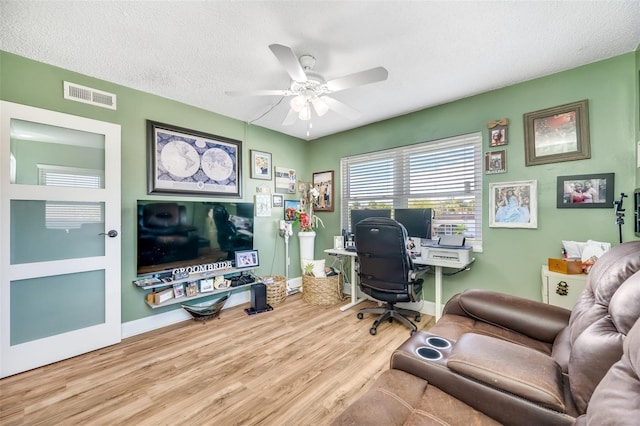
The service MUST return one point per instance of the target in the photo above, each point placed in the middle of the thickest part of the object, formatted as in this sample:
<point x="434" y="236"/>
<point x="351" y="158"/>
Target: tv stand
<point x="140" y="283"/>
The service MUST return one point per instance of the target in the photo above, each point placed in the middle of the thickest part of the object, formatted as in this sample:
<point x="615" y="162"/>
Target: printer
<point x="448" y="249"/>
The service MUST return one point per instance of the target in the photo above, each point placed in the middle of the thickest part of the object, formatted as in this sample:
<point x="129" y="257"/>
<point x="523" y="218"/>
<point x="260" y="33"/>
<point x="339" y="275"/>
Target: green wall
<point x="511" y="258"/>
<point x="32" y="83"/>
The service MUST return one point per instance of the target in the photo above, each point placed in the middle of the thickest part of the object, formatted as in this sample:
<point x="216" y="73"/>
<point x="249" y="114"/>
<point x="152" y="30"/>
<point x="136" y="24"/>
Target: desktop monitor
<point x="416" y="221"/>
<point x="358" y="215"/>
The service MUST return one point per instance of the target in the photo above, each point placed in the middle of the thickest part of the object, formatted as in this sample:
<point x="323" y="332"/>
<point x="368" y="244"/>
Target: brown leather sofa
<point x="499" y="359"/>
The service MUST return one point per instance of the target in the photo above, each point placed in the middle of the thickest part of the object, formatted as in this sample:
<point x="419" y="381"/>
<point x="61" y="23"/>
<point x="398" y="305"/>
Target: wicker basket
<point x="276" y="290"/>
<point x="322" y="290"/>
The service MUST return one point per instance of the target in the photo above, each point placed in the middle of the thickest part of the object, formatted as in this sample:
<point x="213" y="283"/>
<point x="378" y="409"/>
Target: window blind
<point x="444" y="175"/>
<point x="70" y="215"/>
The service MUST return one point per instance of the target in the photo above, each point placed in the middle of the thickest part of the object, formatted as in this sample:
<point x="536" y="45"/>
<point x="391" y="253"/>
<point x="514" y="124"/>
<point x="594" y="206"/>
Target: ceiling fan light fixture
<point x="305" y="113"/>
<point x="297" y="103"/>
<point x="320" y="106"/>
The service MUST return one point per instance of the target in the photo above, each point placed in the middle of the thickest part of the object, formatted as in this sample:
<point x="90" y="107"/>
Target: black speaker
<point x="259" y="297"/>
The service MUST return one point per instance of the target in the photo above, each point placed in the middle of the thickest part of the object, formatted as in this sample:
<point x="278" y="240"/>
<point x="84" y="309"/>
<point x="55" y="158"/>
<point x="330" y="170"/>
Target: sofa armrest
<point x="514" y="369"/>
<point x="535" y="319"/>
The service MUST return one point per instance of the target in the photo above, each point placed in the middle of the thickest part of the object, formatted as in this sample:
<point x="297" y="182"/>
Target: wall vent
<point x="87" y="95"/>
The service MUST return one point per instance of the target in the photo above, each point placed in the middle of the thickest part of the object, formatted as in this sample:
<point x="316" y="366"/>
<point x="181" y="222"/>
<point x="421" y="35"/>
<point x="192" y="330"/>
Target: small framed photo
<point x="260" y="165"/>
<point x="191" y="289"/>
<point x="247" y="259"/>
<point x="206" y="285"/>
<point x="278" y="200"/>
<point x="495" y="162"/>
<point x="263" y="205"/>
<point x="498" y="136"/>
<point x="338" y="242"/>
<point x="513" y="204"/>
<point x="178" y="290"/>
<point x="285" y="180"/>
<point x="498" y="132"/>
<point x="323" y="182"/>
<point x="290" y="209"/>
<point x="586" y="191"/>
<point x="557" y="134"/>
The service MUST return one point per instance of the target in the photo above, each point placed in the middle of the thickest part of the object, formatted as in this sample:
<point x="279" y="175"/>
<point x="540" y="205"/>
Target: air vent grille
<point x="87" y="95"/>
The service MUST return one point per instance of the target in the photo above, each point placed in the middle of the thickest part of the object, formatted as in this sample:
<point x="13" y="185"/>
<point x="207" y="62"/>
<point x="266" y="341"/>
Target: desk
<point x="439" y="264"/>
<point x="353" y="276"/>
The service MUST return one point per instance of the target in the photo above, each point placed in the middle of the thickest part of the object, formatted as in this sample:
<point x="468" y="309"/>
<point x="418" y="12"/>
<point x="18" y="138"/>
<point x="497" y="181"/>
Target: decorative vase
<point x="307" y="240"/>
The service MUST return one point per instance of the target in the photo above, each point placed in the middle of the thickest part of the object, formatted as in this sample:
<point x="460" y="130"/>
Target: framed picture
<point x="323" y="182"/>
<point x="303" y="187"/>
<point x="290" y="208"/>
<point x="495" y="162"/>
<point x="247" y="259"/>
<point x="206" y="285"/>
<point x="498" y="132"/>
<point x="191" y="289"/>
<point x="586" y="191"/>
<point x="178" y="290"/>
<point x="263" y="205"/>
<point x="285" y="180"/>
<point x="277" y="200"/>
<point x="182" y="161"/>
<point x="260" y="165"/>
<point x="513" y="204"/>
<point x="557" y="134"/>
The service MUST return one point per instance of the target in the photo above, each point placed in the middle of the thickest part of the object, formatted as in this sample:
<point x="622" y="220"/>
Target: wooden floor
<point x="296" y="365"/>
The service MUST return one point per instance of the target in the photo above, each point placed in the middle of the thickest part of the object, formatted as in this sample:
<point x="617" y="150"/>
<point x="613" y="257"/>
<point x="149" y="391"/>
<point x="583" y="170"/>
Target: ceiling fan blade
<point x="341" y="108"/>
<point x="289" y="61"/>
<point x="361" y="78"/>
<point x="291" y="118"/>
<point x="257" y="92"/>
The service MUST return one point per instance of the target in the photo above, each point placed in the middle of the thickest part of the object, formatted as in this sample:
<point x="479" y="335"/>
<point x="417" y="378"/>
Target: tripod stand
<point x="619" y="211"/>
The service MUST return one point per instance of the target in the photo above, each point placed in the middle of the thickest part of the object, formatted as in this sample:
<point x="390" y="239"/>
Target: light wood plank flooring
<point x="296" y="365"/>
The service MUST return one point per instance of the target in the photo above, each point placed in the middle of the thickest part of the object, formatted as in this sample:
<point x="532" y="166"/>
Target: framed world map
<point x="185" y="161"/>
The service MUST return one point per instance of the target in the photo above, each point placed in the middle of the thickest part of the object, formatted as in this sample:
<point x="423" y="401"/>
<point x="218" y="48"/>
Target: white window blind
<point x="70" y="215"/>
<point x="444" y="175"/>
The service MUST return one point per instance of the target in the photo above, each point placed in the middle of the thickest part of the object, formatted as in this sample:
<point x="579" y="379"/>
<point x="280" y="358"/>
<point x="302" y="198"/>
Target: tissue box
<point x="565" y="266"/>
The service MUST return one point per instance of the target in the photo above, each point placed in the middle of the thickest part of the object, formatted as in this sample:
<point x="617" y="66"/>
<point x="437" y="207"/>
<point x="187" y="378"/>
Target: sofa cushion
<point x="535" y="377"/>
<point x="390" y="401"/>
<point x="400" y="398"/>
<point x="599" y="346"/>
<point x="453" y="326"/>
<point x="616" y="400"/>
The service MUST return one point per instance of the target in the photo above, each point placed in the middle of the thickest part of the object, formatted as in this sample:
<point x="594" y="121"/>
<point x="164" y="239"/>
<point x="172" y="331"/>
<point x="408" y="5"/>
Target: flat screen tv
<point x="417" y="222"/>
<point x="174" y="234"/>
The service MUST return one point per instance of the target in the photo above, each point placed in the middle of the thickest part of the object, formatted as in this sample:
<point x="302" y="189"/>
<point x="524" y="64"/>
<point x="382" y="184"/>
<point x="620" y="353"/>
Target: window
<point x="70" y="215"/>
<point x="444" y="175"/>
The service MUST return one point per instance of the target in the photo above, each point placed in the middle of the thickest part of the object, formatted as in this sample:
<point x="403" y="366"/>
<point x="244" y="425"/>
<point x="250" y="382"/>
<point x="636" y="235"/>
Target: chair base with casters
<point x="390" y="312"/>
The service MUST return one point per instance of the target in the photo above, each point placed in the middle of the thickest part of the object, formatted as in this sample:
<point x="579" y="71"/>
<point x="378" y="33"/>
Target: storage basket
<point x="322" y="290"/>
<point x="276" y="289"/>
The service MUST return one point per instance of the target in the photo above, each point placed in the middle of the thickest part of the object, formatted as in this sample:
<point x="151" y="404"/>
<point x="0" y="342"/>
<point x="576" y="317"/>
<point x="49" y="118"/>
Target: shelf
<point x="174" y="301"/>
<point x="195" y="277"/>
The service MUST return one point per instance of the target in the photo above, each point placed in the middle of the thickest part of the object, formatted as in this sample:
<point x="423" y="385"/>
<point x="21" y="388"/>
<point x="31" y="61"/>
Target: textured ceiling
<point x="435" y="51"/>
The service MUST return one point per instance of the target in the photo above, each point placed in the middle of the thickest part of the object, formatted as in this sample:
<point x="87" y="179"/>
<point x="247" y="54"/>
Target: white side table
<point x="555" y="285"/>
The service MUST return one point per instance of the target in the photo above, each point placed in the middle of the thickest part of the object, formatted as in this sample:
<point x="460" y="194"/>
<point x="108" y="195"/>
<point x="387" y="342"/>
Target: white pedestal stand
<point x="307" y="241"/>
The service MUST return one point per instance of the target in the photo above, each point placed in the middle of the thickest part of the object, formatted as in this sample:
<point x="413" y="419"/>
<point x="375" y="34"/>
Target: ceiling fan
<point x="309" y="89"/>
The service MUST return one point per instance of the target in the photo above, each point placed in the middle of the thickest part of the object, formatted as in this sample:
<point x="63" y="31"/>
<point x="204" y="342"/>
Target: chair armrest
<point x="514" y="369"/>
<point x="535" y="319"/>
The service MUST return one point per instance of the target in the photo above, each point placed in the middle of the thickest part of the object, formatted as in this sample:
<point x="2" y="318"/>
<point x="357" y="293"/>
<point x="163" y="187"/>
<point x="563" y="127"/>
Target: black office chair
<point x="386" y="271"/>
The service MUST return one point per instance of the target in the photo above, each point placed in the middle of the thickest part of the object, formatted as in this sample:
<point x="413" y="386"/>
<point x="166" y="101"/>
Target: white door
<point x="60" y="243"/>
